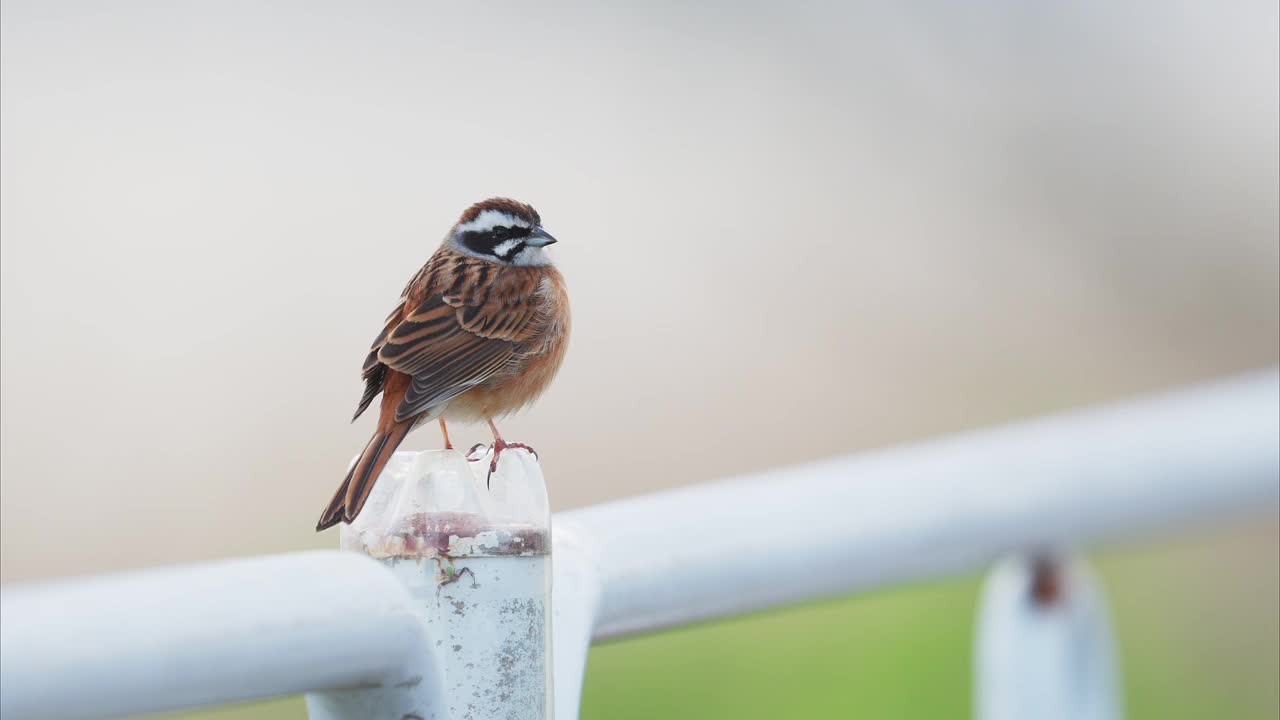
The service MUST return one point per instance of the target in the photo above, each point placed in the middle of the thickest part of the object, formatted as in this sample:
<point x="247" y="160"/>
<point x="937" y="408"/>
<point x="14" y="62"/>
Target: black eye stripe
<point x="506" y="233"/>
<point x="486" y="242"/>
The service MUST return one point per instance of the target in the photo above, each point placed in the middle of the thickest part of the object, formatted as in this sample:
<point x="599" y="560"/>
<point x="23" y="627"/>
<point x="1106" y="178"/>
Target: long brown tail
<point x="355" y="489"/>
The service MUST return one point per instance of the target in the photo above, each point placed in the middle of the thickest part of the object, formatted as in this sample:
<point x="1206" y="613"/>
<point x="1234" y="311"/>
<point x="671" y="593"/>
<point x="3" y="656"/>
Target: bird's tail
<point x="351" y="496"/>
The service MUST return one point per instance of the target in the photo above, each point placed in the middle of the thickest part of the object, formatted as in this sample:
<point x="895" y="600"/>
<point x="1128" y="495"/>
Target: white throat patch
<point x="531" y="256"/>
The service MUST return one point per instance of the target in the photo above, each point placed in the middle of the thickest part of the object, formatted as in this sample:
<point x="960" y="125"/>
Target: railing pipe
<point x="223" y="632"/>
<point x="931" y="509"/>
<point x="238" y="630"/>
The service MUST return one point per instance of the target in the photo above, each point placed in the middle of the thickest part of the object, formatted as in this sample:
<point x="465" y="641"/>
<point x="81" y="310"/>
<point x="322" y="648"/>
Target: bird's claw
<point x="498" y="447"/>
<point x="473" y="450"/>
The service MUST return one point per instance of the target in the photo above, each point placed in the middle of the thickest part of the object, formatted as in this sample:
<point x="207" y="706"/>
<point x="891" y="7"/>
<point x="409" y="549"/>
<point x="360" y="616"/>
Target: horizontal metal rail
<point x="913" y="512"/>
<point x="206" y="634"/>
<point x="232" y="631"/>
<point x="775" y="537"/>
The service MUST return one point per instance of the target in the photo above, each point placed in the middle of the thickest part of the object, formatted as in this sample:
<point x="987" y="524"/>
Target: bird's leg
<point x="444" y="430"/>
<point x="498" y="446"/>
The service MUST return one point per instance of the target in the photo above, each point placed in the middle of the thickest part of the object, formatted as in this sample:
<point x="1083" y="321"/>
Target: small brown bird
<point x="480" y="332"/>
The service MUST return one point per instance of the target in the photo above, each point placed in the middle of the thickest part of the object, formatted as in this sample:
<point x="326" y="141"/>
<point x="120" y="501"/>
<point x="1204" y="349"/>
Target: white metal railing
<point x="241" y="629"/>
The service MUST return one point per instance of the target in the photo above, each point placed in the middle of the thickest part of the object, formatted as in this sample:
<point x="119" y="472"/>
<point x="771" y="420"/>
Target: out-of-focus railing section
<point x="167" y="639"/>
<point x="1043" y="645"/>
<point x="944" y="506"/>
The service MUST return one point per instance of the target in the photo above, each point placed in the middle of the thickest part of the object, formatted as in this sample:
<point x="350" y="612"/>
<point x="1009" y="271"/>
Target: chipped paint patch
<point x="495" y="635"/>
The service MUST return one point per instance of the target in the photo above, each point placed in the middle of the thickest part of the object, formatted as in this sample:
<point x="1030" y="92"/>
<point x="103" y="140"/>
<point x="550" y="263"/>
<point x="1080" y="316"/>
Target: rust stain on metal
<point x="454" y="535"/>
<point x="1046" y="582"/>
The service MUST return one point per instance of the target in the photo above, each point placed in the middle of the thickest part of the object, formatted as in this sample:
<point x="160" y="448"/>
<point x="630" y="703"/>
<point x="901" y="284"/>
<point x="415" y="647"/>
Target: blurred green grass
<point x="1196" y="616"/>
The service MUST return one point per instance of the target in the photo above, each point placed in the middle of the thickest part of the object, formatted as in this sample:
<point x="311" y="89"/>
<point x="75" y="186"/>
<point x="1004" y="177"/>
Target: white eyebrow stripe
<point x="501" y="249"/>
<point x="490" y="219"/>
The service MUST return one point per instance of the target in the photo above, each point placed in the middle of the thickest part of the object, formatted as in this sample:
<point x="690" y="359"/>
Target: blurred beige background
<point x="788" y="233"/>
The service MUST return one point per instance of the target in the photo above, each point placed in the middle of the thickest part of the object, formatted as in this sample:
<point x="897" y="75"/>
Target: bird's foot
<point x="498" y="447"/>
<point x="473" y="450"/>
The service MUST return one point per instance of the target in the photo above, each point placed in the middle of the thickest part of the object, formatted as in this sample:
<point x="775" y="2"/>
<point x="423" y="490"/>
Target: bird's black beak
<point x="539" y="237"/>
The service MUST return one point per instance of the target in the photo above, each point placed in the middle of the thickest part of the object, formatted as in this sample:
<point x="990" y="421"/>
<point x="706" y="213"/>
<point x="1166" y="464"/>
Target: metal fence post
<point x="1044" y="646"/>
<point x="476" y="558"/>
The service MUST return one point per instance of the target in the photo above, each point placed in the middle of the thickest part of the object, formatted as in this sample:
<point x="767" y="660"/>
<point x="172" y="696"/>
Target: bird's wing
<point x="374" y="373"/>
<point x="461" y="332"/>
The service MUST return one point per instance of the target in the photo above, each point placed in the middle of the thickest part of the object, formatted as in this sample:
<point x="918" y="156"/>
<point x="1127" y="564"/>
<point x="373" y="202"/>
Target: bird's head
<point x="502" y="230"/>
